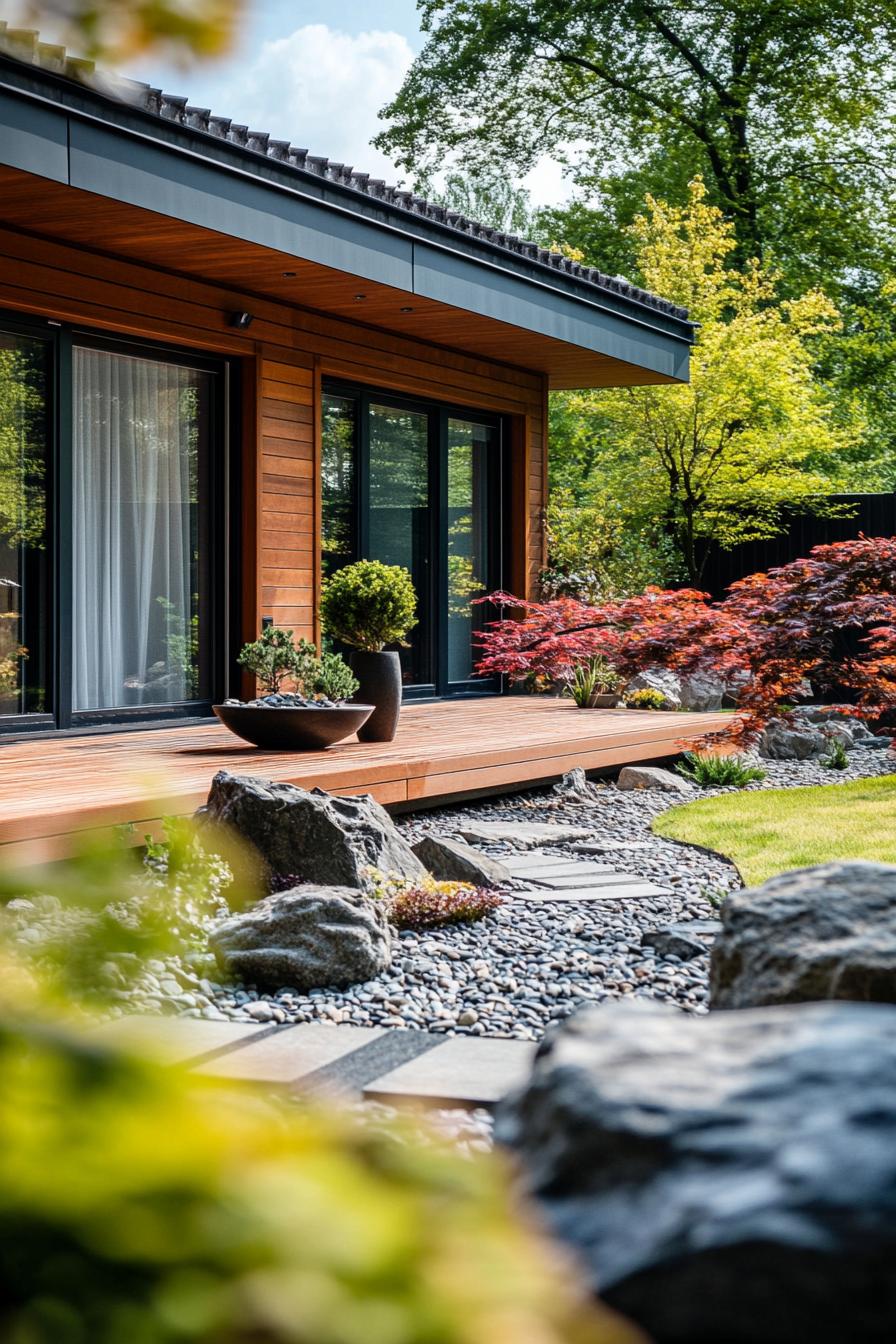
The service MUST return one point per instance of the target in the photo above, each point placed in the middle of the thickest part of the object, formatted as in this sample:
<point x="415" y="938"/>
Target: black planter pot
<point x="380" y="678"/>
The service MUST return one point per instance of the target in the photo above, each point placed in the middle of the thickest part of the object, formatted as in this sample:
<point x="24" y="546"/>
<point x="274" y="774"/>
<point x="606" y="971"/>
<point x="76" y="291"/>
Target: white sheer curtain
<point x="134" y="475"/>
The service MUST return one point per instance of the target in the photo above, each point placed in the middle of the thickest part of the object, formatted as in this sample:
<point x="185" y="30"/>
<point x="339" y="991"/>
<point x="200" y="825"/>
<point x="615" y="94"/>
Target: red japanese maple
<point x="829" y="619"/>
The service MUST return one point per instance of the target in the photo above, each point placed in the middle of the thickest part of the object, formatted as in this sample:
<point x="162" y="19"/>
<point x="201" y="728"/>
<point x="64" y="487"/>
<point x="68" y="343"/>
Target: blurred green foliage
<point x="140" y="1204"/>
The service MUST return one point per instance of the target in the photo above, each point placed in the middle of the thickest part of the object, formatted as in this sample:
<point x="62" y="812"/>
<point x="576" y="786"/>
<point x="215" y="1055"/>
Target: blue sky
<point x="316" y="74"/>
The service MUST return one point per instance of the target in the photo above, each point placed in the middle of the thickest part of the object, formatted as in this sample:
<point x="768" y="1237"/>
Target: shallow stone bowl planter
<point x="293" y="728"/>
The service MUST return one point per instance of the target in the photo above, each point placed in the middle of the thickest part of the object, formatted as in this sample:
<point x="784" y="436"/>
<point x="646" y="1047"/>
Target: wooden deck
<point x="53" y="788"/>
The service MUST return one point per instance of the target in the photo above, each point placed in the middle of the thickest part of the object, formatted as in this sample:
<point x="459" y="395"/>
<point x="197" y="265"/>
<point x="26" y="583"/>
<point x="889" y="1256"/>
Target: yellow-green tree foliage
<point x="752" y="433"/>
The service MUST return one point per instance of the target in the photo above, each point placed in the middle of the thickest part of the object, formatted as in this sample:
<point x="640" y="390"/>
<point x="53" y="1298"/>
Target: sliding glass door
<point x="421" y="486"/>
<point x="111" y="603"/>
<point x="140" y="448"/>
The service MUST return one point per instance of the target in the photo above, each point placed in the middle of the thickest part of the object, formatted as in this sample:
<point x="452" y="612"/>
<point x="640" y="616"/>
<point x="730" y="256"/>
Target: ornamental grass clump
<point x="590" y="679"/>
<point x="369" y="605"/>
<point x="711" y="771"/>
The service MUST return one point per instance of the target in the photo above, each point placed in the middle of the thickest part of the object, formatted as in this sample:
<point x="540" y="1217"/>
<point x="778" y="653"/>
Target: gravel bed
<point x="530" y="964"/>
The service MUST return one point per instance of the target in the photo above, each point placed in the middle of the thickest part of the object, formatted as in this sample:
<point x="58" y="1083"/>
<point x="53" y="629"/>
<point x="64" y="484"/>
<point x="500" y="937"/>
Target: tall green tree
<point x="754" y="433"/>
<point x="785" y="109"/>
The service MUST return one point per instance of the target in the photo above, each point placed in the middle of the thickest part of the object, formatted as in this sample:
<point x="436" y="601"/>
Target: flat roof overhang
<point x="80" y="167"/>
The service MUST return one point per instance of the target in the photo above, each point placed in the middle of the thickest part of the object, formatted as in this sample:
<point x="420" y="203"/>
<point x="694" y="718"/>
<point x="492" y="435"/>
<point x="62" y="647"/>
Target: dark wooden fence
<point x="873" y="515"/>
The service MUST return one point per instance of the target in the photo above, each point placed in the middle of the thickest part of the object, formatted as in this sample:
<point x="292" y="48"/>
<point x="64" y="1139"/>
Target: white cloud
<point x="321" y="89"/>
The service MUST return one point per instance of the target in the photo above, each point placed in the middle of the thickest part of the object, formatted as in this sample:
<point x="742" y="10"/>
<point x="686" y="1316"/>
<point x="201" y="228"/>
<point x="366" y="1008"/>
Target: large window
<point x="110" y="601"/>
<point x="24" y="409"/>
<point x="418" y="485"/>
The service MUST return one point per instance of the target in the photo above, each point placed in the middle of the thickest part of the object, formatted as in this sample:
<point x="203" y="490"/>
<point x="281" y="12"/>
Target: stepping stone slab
<point x="563" y="881"/>
<point x="288" y="1054"/>
<point x="474" y="1071"/>
<point x="527" y="834"/>
<point x="176" y="1040"/>
<point x="544" y="872"/>
<point x="632" y="891"/>
<point x="608" y="846"/>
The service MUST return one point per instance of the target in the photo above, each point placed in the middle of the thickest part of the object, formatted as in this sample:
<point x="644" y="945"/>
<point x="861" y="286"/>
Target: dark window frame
<point x="439" y="413"/>
<point x="220" y="571"/>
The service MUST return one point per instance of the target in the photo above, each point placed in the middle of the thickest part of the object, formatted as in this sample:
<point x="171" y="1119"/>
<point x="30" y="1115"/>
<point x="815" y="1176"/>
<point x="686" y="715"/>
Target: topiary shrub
<point x="369" y="604"/>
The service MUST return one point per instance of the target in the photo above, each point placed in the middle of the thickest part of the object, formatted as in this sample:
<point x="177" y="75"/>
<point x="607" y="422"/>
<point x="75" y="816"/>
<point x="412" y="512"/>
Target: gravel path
<point x="529" y="964"/>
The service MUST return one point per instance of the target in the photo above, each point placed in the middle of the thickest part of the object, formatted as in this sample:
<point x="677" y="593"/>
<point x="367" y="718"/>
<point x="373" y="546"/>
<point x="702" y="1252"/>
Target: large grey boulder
<point x="703" y="692"/>
<point x="307" y="938"/>
<point x="727" y="1179"/>
<point x="311" y="836"/>
<point x="652" y="777"/>
<point x="809" y="731"/>
<point x="454" y="861"/>
<point x="827" y="932"/>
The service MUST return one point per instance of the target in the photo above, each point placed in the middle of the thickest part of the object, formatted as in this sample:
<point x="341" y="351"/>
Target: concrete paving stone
<point x="624" y="891"/>
<point x="472" y="1071"/>
<point x="609" y="878"/>
<point x="541" y="871"/>
<point x="608" y="846"/>
<point x="175" y="1040"/>
<point x="528" y="835"/>
<point x="289" y="1053"/>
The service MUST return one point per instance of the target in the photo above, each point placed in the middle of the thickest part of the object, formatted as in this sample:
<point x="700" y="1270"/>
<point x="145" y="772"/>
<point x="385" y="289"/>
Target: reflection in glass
<point x="338" y="431"/>
<point x="468" y="476"/>
<point x="140" y="430"/>
<point x="23" y="555"/>
<point x="400" y="521"/>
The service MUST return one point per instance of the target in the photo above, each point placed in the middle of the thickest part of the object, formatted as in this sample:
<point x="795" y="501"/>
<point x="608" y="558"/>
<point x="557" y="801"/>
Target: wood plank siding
<point x="283" y="356"/>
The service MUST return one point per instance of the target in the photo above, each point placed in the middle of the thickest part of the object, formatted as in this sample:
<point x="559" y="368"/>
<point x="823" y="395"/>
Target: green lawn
<point x="769" y="831"/>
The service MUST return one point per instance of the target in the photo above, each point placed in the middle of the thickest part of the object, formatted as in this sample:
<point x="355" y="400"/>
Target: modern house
<point x="226" y="366"/>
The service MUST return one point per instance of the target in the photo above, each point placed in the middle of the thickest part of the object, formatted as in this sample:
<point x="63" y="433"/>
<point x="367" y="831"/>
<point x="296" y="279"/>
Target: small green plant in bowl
<point x="713" y="771"/>
<point x="276" y="657"/>
<point x="647" y="698"/>
<point x="369" y="605"/>
<point x="314" y="713"/>
<point x="836" y="757"/>
<point x="594" y="683"/>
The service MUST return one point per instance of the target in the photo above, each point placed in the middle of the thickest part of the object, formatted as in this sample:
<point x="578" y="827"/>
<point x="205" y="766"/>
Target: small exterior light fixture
<point x="405" y="310"/>
<point x="241" y="320"/>
<point x="359" y="298"/>
<point x="289" y="275"/>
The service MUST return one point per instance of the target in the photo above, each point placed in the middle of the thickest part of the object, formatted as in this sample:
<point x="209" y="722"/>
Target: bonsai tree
<point x="369" y="604"/>
<point x="276" y="657"/>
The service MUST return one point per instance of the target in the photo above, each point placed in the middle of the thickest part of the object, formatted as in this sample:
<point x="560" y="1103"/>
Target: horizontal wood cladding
<point x="286" y="436"/>
<point x="285" y="353"/>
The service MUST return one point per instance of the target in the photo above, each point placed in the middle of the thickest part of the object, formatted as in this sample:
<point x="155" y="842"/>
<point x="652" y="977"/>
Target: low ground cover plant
<point x="430" y="904"/>
<point x="713" y="771"/>
<point x="829" y="620"/>
<point x="768" y="831"/>
<point x="646" y="698"/>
